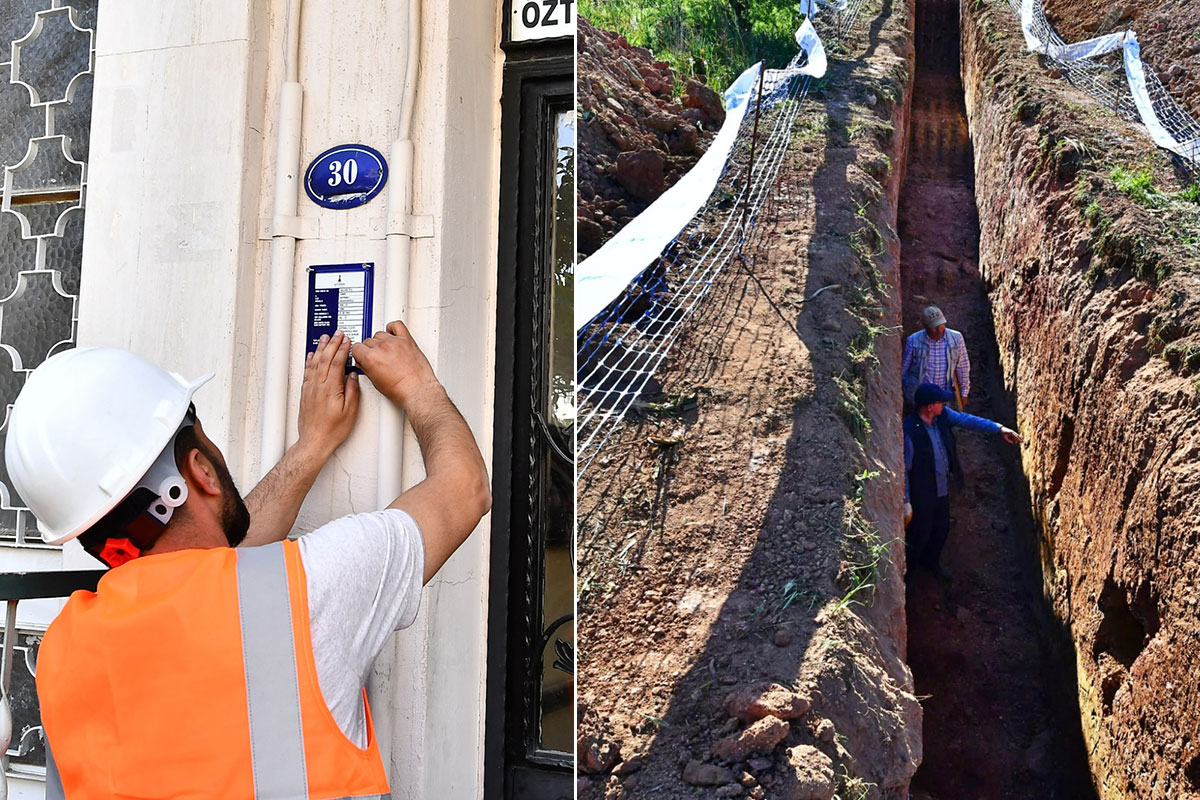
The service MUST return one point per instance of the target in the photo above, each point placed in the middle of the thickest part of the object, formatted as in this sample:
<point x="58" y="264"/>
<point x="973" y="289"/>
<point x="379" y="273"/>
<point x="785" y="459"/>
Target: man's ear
<point x="200" y="473"/>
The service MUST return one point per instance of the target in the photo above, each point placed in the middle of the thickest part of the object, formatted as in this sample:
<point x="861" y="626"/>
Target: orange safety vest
<point x="191" y="675"/>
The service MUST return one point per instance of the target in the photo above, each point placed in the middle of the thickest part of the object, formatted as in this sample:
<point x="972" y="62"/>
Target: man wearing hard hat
<point x="197" y="669"/>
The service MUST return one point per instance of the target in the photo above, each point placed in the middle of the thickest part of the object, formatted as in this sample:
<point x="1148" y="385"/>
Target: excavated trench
<point x="994" y="668"/>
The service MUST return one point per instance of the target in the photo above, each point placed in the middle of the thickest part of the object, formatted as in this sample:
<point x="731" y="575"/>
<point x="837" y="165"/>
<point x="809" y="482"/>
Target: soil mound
<point x="637" y="138"/>
<point x="1166" y="30"/>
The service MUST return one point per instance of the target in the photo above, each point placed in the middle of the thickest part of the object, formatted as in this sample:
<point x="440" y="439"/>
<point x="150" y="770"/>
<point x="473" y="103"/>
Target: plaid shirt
<point x="937" y="364"/>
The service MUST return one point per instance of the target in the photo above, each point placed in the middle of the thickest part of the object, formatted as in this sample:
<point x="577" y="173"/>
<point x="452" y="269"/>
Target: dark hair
<point x="185" y="442"/>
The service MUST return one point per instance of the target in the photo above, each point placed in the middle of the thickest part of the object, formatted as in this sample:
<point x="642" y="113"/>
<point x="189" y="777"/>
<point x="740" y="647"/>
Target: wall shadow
<point x="783" y="622"/>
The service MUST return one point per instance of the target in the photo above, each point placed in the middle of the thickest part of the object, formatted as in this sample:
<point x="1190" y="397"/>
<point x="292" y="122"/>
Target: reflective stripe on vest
<point x="272" y="689"/>
<point x="54" y="790"/>
<point x="191" y="675"/>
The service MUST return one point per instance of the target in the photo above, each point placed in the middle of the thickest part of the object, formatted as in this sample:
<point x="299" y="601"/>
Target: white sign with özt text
<point x="542" y="19"/>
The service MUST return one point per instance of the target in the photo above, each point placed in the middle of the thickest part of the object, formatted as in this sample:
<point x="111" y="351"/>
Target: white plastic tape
<point x="604" y="276"/>
<point x="809" y="7"/>
<point x="1031" y="39"/>
<point x="810" y="42"/>
<point x="1135" y="74"/>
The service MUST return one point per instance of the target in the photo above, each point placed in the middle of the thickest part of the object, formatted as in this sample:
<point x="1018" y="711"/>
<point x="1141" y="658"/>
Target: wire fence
<point x="846" y="18"/>
<point x="1105" y="78"/>
<point x="620" y="351"/>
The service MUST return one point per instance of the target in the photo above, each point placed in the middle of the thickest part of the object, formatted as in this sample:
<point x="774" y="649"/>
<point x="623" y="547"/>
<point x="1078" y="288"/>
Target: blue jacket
<point x="920" y="475"/>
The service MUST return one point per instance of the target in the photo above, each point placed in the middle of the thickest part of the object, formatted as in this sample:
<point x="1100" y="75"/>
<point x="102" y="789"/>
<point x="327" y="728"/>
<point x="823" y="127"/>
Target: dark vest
<point x="922" y="478"/>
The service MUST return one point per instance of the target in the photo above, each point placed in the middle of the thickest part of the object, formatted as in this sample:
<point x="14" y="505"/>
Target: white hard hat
<point x="85" y="430"/>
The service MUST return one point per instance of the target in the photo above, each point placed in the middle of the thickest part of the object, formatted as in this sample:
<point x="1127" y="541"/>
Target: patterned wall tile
<point x="17" y="253"/>
<point x="47" y="53"/>
<point x="14" y="500"/>
<point x="19" y="122"/>
<point x="27" y="738"/>
<point x="52" y="56"/>
<point x="16" y="20"/>
<point x="46" y="219"/>
<point x="74" y="119"/>
<point x="46" y="168"/>
<point x="65" y="253"/>
<point x="11" y="382"/>
<point x="37" y="321"/>
<point x="85" y="13"/>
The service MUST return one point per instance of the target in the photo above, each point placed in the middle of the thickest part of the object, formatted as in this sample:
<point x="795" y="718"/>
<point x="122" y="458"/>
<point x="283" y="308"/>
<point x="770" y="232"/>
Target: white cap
<point x="932" y="316"/>
<point x="86" y="429"/>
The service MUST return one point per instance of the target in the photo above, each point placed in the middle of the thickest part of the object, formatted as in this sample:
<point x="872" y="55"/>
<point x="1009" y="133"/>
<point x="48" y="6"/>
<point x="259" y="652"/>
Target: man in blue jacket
<point x="930" y="458"/>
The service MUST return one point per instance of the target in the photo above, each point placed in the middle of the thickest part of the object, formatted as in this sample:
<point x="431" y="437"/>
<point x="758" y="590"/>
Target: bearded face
<point x="235" y="517"/>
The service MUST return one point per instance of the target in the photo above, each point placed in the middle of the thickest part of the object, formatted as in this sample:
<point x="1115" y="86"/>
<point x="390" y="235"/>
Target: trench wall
<point x="1095" y="298"/>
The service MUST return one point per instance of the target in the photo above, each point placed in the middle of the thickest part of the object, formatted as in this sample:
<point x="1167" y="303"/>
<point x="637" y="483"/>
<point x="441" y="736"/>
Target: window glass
<point x="47" y="57"/>
<point x="558" y="593"/>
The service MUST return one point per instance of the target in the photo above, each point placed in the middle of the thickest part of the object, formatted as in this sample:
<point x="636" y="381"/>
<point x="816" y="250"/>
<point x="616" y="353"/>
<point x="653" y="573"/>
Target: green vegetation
<point x="717" y="37"/>
<point x="1183" y="356"/>
<point x="853" y="787"/>
<point x="1139" y="186"/>
<point x="852" y="406"/>
<point x="811" y="128"/>
<point x="1096" y="217"/>
<point x="675" y="404"/>
<point x="861" y="546"/>
<point x="1118" y="248"/>
<point x="1025" y="109"/>
<point x="793" y="594"/>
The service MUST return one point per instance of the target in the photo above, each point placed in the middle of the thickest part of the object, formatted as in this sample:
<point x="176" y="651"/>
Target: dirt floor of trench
<point x="995" y="677"/>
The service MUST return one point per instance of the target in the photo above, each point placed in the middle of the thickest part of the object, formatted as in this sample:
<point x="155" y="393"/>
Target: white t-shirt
<point x="364" y="575"/>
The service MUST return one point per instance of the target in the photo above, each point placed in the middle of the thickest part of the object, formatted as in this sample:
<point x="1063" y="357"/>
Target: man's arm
<point x="974" y="423"/>
<point x="455" y="494"/>
<point x="328" y="408"/>
<point x="906" y="359"/>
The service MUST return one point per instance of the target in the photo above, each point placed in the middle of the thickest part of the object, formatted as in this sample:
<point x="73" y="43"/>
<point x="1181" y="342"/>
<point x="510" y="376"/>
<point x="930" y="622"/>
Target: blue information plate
<point x="339" y="299"/>
<point x="345" y="176"/>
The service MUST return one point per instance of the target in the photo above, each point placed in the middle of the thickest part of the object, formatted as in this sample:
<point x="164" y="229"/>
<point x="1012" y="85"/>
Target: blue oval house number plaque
<point x="345" y="176"/>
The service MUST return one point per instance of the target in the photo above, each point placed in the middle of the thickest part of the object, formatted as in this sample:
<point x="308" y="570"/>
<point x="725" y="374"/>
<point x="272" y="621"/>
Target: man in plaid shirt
<point x="936" y="355"/>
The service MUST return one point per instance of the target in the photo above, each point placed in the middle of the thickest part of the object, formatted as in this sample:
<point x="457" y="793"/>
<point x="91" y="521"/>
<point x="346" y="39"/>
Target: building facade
<point x="155" y="160"/>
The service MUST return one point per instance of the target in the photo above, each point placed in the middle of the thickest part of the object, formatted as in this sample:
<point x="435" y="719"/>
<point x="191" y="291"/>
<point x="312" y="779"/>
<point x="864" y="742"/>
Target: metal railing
<point x="15" y="587"/>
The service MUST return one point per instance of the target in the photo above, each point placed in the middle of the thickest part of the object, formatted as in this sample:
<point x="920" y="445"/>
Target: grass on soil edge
<point x="1143" y="216"/>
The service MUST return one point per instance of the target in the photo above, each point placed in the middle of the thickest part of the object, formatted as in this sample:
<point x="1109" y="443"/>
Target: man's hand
<point x="395" y="365"/>
<point x="1010" y="436"/>
<point x="328" y="397"/>
<point x="907" y="513"/>
<point x="328" y="409"/>
<point x="455" y="494"/>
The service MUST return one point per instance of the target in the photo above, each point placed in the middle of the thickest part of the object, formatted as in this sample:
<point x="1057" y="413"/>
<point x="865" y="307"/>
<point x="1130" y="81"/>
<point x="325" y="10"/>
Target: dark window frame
<point x="538" y="83"/>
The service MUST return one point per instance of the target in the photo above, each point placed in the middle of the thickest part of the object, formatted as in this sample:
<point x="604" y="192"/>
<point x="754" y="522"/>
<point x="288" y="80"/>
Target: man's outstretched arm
<point x="455" y="494"/>
<point x="328" y="408"/>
